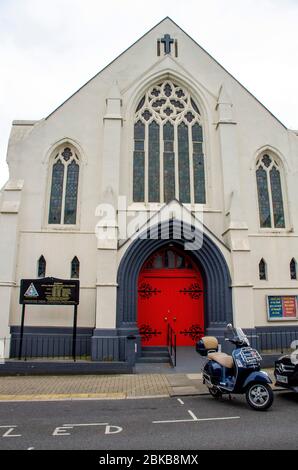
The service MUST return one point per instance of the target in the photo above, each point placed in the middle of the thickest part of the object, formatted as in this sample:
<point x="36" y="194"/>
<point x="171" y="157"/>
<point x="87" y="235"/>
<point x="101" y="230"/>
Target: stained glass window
<point x="263" y="195"/>
<point x="183" y="161"/>
<point x="139" y="162"/>
<point x="198" y="164"/>
<point x="168" y="258"/>
<point x="168" y="147"/>
<point x="75" y="268"/>
<point x="270" y="197"/>
<point x="64" y="188"/>
<point x="153" y="162"/>
<point x="41" y="267"/>
<point x="168" y="162"/>
<point x="56" y="193"/>
<point x="262" y="270"/>
<point x="71" y="193"/>
<point x="277" y="202"/>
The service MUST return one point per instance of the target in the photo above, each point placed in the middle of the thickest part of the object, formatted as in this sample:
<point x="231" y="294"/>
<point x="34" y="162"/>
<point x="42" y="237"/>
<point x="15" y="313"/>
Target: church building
<point x="169" y="191"/>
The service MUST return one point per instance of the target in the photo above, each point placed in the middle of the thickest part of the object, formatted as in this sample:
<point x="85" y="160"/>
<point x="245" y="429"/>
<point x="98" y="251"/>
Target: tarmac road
<point x="186" y="423"/>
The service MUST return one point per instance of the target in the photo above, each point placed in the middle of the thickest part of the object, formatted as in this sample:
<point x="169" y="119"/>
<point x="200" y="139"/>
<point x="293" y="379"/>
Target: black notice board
<point x="49" y="291"/>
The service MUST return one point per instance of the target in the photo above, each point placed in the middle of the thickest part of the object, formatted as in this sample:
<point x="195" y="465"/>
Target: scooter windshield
<point x="241" y="336"/>
<point x="237" y="334"/>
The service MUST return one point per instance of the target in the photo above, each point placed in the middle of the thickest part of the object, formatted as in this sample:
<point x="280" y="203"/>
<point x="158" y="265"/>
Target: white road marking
<point x="109" y="429"/>
<point x="180" y="401"/>
<point x="10" y="430"/>
<point x="86" y="424"/>
<point x="192" y="415"/>
<point x="113" y="429"/>
<point x="194" y="419"/>
<point x="61" y="431"/>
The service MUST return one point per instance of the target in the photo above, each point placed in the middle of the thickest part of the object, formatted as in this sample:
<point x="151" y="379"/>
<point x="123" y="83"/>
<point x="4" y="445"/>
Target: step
<point x="154" y="348"/>
<point x="154" y="359"/>
<point x="154" y="353"/>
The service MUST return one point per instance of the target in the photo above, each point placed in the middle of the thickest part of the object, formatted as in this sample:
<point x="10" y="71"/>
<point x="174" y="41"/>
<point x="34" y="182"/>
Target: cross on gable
<point x="167" y="41"/>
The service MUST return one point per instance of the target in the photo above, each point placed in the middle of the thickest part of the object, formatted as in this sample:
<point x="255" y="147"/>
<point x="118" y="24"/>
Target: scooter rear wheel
<point x="215" y="392"/>
<point x="259" y="396"/>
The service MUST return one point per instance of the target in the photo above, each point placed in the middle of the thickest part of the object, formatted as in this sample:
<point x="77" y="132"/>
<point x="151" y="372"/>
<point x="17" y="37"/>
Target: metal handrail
<point x="172" y="345"/>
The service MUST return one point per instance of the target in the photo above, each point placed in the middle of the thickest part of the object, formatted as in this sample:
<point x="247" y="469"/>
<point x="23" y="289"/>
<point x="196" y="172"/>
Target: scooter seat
<point x="222" y="358"/>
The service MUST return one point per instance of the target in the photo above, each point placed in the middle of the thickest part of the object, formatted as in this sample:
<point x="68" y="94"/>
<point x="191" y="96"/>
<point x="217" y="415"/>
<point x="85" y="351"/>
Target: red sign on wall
<point x="282" y="307"/>
<point x="289" y="307"/>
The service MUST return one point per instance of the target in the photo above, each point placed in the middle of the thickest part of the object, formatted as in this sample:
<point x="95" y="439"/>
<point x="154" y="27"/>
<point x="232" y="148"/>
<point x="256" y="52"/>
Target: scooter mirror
<point x="229" y="332"/>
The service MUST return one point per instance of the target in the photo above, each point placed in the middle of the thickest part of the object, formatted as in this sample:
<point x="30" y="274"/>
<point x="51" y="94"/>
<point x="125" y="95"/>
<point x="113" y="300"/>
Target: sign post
<point x="50" y="291"/>
<point x="74" y="332"/>
<point x="22" y="330"/>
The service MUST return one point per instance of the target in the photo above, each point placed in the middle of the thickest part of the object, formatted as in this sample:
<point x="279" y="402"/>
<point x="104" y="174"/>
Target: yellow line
<point x="63" y="396"/>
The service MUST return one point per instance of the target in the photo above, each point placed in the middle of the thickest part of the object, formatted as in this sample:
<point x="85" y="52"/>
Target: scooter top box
<point x="206" y="345"/>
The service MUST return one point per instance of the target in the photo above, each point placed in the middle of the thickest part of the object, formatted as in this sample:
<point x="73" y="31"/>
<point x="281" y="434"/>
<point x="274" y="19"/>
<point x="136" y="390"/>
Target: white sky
<point x="50" y="48"/>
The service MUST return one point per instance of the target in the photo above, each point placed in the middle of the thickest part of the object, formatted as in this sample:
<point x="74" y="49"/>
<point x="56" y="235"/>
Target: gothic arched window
<point x="293" y="269"/>
<point x="64" y="187"/>
<point x="263" y="270"/>
<point x="75" y="268"/>
<point x="41" y="267"/>
<point x="270" y="197"/>
<point x="168" y="158"/>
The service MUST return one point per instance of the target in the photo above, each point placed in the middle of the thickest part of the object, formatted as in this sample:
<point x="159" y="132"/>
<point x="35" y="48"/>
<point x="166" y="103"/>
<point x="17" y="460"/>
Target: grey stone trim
<point x="210" y="260"/>
<point x="58" y="330"/>
<point x="63" y="368"/>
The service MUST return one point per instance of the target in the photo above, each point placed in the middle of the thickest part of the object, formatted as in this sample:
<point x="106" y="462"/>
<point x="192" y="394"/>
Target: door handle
<point x="165" y="318"/>
<point x="174" y="319"/>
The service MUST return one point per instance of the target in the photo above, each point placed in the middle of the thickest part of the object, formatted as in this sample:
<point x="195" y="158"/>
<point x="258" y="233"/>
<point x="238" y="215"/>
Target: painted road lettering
<point x="7" y="431"/>
<point x="63" y="430"/>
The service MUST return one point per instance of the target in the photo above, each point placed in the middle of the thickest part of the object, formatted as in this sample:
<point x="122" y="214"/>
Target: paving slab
<point x="178" y="380"/>
<point x="183" y="391"/>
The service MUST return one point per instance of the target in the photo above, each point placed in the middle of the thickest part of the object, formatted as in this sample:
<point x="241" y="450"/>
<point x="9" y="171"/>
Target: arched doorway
<point x="170" y="292"/>
<point x="210" y="260"/>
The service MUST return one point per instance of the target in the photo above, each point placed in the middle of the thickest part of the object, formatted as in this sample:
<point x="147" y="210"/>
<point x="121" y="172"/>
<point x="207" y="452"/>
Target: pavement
<point x="148" y="381"/>
<point x="123" y="386"/>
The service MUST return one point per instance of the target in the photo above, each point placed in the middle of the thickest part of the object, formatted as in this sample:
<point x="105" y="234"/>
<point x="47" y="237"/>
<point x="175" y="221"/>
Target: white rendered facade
<point x="97" y="123"/>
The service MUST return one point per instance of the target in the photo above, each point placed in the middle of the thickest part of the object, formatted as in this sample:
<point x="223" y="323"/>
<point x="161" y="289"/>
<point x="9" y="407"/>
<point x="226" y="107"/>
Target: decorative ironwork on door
<point x="195" y="332"/>
<point x="147" y="332"/>
<point x="194" y="291"/>
<point x="146" y="290"/>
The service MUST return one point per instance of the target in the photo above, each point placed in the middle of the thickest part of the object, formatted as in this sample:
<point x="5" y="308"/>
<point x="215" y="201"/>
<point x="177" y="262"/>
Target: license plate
<point x="282" y="379"/>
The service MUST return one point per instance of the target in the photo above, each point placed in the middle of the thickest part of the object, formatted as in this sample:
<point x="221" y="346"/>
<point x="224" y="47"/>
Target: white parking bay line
<point x="195" y="419"/>
<point x="192" y="415"/>
<point x="86" y="424"/>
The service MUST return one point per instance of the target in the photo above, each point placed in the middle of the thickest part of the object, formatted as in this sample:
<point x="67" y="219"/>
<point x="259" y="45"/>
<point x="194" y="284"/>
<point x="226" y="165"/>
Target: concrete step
<point x="153" y="359"/>
<point x="154" y="353"/>
<point x="154" y="348"/>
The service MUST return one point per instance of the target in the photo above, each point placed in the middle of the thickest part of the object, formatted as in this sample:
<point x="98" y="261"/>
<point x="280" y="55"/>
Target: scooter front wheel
<point x="259" y="396"/>
<point x="215" y="392"/>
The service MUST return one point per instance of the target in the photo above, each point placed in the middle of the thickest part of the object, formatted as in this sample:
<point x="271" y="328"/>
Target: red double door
<point x="170" y="297"/>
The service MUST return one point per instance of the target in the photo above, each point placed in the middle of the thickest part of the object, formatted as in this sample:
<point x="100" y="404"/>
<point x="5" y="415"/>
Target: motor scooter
<point x="239" y="373"/>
